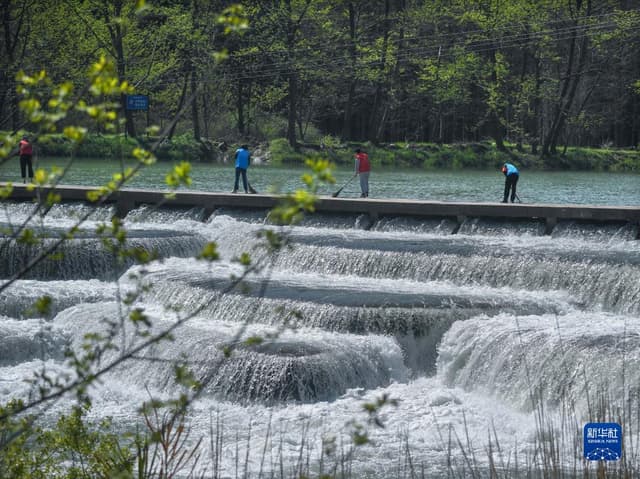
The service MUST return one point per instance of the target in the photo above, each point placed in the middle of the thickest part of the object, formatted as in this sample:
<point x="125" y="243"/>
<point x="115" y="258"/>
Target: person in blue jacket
<point x="243" y="157"/>
<point x="511" y="174"/>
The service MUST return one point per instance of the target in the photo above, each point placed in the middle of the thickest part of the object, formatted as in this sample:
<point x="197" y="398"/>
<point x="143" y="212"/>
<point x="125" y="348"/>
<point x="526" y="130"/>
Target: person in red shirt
<point x="363" y="167"/>
<point x="25" y="151"/>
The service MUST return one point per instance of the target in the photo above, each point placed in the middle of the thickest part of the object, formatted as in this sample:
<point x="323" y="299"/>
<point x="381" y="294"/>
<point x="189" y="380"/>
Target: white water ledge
<point x="129" y="198"/>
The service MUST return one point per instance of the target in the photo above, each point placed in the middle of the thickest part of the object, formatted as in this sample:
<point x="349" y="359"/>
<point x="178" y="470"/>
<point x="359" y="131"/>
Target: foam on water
<point x="463" y="330"/>
<point x="18" y="300"/>
<point x="603" y="233"/>
<point x="22" y="341"/>
<point x="18" y="212"/>
<point x="429" y="418"/>
<point x="87" y="257"/>
<point x="300" y="365"/>
<point x="583" y="279"/>
<point x="339" y="290"/>
<point x="16" y="381"/>
<point x="481" y="226"/>
<point x="415" y="225"/>
<point x="150" y="214"/>
<point x="555" y="359"/>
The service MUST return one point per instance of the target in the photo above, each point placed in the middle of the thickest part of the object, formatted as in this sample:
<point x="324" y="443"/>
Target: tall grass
<point x="556" y="452"/>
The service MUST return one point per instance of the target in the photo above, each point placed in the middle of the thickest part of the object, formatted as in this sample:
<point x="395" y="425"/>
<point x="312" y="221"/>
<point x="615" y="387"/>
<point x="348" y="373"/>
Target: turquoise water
<point x="593" y="188"/>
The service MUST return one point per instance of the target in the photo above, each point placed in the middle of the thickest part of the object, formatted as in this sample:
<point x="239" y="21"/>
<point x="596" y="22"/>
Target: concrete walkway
<point x="128" y="199"/>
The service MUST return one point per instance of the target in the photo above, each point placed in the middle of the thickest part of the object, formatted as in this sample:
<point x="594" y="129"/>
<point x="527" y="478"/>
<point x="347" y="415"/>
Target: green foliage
<point x="234" y="19"/>
<point x="180" y="175"/>
<point x="450" y="79"/>
<point x="477" y="156"/>
<point x="180" y="147"/>
<point x="398" y="74"/>
<point x="244" y="259"/>
<point x="209" y="252"/>
<point x="17" y="460"/>
<point x="282" y="152"/>
<point x="72" y="449"/>
<point x="267" y="126"/>
<point x="43" y="306"/>
<point x="330" y="141"/>
<point x="81" y="450"/>
<point x="294" y="206"/>
<point x="595" y="159"/>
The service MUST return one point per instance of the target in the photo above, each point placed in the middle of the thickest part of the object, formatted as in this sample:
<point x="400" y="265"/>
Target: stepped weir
<point x="525" y="307"/>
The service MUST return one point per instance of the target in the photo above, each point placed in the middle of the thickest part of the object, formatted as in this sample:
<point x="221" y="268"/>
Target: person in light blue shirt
<point x="243" y="158"/>
<point x="511" y="174"/>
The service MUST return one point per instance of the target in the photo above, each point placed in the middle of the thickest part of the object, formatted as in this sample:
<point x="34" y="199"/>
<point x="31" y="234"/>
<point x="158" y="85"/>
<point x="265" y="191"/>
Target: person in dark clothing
<point x="25" y="152"/>
<point x="511" y="174"/>
<point x="243" y="158"/>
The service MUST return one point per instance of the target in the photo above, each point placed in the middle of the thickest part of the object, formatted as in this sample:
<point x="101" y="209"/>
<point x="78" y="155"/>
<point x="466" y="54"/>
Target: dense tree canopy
<point x="543" y="73"/>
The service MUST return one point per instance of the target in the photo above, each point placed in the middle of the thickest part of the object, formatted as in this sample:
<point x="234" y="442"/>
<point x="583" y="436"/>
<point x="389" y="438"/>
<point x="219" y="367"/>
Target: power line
<point x="440" y="37"/>
<point x="279" y="68"/>
<point x="444" y="36"/>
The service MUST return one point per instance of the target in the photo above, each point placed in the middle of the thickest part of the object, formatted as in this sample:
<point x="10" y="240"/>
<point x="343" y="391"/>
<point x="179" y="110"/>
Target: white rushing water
<point x="471" y="334"/>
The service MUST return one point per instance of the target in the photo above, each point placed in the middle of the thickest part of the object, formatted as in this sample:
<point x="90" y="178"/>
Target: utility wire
<point x="280" y="67"/>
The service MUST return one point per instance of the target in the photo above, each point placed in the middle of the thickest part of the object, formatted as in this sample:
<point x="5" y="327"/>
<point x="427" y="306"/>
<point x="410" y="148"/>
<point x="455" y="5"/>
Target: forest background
<point x="433" y="83"/>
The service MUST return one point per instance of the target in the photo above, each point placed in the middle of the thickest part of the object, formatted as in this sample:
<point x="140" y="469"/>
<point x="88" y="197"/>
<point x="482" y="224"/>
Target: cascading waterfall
<point x="471" y="331"/>
<point x="18" y="301"/>
<point x="150" y="214"/>
<point x="547" y="358"/>
<point x="583" y="279"/>
<point x="301" y="365"/>
<point x="86" y="256"/>
<point x="22" y="341"/>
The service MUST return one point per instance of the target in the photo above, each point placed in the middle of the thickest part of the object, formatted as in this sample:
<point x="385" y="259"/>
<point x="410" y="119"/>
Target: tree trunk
<point x="570" y="85"/>
<point x="195" y="115"/>
<point x="537" y="107"/>
<point x="183" y="96"/>
<point x="12" y="30"/>
<point x="240" y="107"/>
<point x="400" y="93"/>
<point x="496" y="129"/>
<point x="206" y="112"/>
<point x="375" y="117"/>
<point x="291" y="78"/>
<point x="291" y="117"/>
<point x="247" y="97"/>
<point x="117" y="41"/>
<point x="347" y="123"/>
<point x="524" y="117"/>
<point x="635" y="125"/>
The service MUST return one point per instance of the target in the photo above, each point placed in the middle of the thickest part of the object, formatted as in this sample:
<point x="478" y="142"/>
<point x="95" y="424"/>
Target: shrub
<point x="180" y="148"/>
<point x="282" y="152"/>
<point x="266" y="127"/>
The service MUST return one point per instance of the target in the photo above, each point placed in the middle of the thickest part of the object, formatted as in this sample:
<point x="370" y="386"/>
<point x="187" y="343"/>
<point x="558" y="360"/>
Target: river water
<point x="494" y="341"/>
<point x="533" y="187"/>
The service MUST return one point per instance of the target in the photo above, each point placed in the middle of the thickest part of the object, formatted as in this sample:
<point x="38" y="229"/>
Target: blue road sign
<point x="137" y="102"/>
<point x="602" y="441"/>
